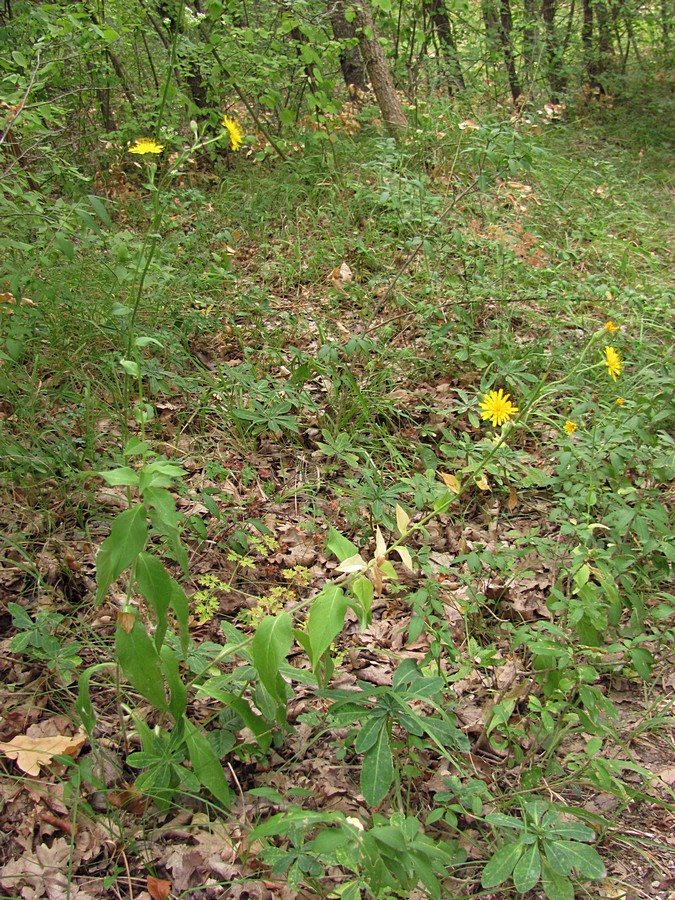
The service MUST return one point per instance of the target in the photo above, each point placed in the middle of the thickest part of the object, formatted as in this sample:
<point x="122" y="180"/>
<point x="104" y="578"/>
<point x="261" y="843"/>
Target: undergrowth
<point x="350" y="604"/>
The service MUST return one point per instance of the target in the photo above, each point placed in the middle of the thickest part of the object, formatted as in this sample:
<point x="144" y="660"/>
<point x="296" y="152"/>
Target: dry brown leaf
<point x="30" y="753"/>
<point x="158" y="888"/>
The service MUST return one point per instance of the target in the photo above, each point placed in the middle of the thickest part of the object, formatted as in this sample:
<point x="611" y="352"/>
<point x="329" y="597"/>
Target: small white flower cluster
<point x="193" y="18"/>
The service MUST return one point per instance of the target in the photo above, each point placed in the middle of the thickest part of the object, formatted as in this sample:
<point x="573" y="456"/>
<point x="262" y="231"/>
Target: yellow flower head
<point x="146" y="145"/>
<point x="613" y="362"/>
<point x="610" y="326"/>
<point x="234" y="131"/>
<point x="497" y="407"/>
<point x="570" y="426"/>
<point x="619" y="401"/>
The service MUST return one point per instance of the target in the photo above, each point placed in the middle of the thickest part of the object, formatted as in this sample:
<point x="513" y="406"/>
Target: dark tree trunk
<point x="554" y="53"/>
<point x="351" y="64"/>
<point x="587" y="41"/>
<point x="446" y="39"/>
<point x="505" y="29"/>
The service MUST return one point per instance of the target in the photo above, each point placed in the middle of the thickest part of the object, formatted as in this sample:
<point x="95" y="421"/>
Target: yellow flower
<point x="570" y="426"/>
<point x="619" y="401"/>
<point x="610" y="326"/>
<point x="146" y="145"/>
<point x="613" y="362"/>
<point x="497" y="407"/>
<point x="234" y="131"/>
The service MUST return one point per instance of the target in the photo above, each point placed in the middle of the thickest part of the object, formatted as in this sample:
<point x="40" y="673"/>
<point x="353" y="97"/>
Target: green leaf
<point x="363" y="590"/>
<point x="369" y="732"/>
<point x="120" y="549"/>
<point x="377" y="772"/>
<point x="340" y="546"/>
<point x="99" y="208"/>
<point x="177" y="688"/>
<point x="122" y="475"/>
<point x="155" y="584"/>
<point x="556" y="887"/>
<point x="585" y="860"/>
<point x="139" y="661"/>
<point x="270" y="647"/>
<point x="567" y="855"/>
<point x="206" y="765"/>
<point x="527" y="870"/>
<point x="83" y="704"/>
<point x="20" y="618"/>
<point x="501" y="864"/>
<point x="325" y="622"/>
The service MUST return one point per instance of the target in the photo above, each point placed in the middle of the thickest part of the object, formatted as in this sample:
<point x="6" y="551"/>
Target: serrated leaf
<point x="402" y="520"/>
<point x="501" y="864"/>
<point x="120" y="549"/>
<point x="377" y="771"/>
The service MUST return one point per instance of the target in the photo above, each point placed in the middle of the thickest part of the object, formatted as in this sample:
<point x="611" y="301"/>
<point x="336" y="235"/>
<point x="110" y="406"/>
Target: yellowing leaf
<point x="451" y="482"/>
<point x="482" y="483"/>
<point x="402" y="519"/>
<point x="406" y="558"/>
<point x="380" y="545"/>
<point x="30" y="753"/>
<point x="512" y="502"/>
<point x="355" y="563"/>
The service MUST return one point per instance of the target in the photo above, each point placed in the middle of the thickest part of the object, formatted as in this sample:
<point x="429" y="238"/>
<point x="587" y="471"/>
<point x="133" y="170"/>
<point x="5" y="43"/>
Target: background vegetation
<point x="336" y="449"/>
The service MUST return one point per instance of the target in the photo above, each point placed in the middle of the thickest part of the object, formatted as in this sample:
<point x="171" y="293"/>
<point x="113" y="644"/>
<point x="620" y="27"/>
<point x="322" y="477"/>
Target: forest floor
<point x="320" y="335"/>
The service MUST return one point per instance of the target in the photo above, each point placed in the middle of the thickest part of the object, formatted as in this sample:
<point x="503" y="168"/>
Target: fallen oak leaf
<point x="30" y="753"/>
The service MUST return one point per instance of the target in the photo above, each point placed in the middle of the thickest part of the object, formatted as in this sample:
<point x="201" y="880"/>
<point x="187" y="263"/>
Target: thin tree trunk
<point x="530" y="35"/>
<point x="446" y="39"/>
<point x="351" y="63"/>
<point x="587" y="42"/>
<point x="505" y="29"/>
<point x="554" y="55"/>
<point x="378" y="70"/>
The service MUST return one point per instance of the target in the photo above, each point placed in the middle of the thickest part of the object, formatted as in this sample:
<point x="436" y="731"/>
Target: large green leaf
<point x="567" y="855"/>
<point x="154" y="583"/>
<point x="139" y="660"/>
<point x="120" y="549"/>
<point x="377" y="772"/>
<point x="269" y="649"/>
<point x="340" y="546"/>
<point x="556" y="886"/>
<point x="325" y="622"/>
<point x="501" y="864"/>
<point x="176" y="685"/>
<point x="206" y="765"/>
<point x="527" y="870"/>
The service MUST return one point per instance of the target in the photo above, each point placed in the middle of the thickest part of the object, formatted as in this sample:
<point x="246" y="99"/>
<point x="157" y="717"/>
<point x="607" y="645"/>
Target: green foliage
<point x="542" y="847"/>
